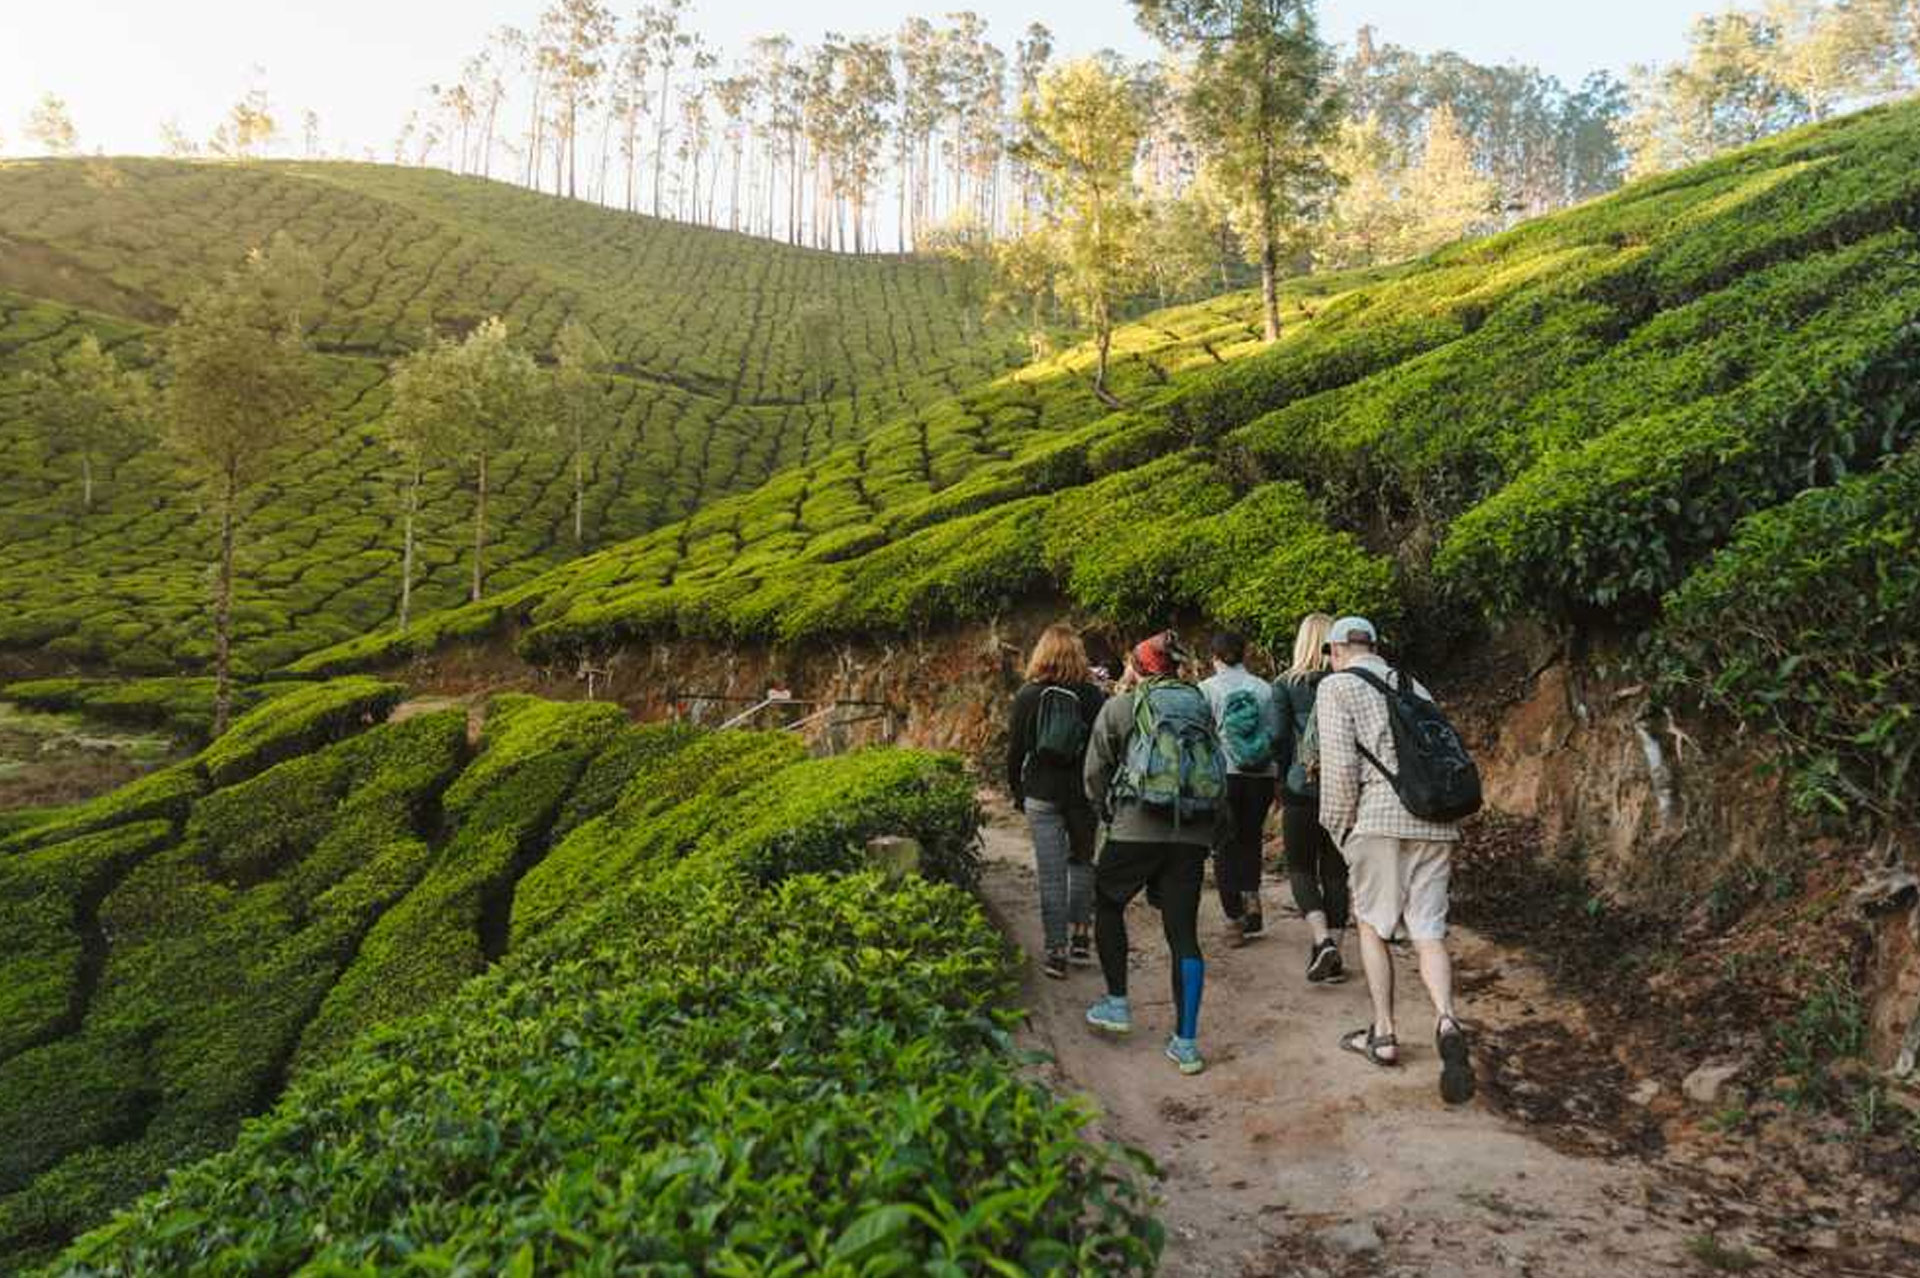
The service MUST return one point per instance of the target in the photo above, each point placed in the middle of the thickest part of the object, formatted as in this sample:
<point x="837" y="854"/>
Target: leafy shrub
<point x="1618" y="522"/>
<point x="163" y="795"/>
<point x="1808" y="624"/>
<point x="188" y="1021"/>
<point x="295" y="723"/>
<point x="808" y="1074"/>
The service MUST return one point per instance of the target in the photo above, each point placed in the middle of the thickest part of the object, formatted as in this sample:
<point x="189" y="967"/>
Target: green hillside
<point x="1567" y="420"/>
<point x="178" y="951"/>
<point x="720" y="381"/>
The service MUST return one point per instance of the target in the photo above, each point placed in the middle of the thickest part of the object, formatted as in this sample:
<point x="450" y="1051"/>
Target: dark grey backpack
<point x="1438" y="780"/>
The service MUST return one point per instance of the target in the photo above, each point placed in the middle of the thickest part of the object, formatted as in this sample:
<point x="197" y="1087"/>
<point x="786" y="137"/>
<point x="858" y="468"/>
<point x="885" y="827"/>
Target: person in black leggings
<point x="1315" y="868"/>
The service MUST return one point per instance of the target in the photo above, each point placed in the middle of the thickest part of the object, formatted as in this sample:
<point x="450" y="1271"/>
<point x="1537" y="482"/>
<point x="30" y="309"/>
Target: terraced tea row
<point x="1569" y="420"/>
<point x="179" y="950"/>
<point x="733" y="359"/>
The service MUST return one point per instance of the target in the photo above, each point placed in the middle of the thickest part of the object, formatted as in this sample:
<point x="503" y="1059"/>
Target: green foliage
<point x="806" y="1076"/>
<point x="182" y="706"/>
<point x="763" y="1063"/>
<point x="454" y="920"/>
<point x="703" y="393"/>
<point x="165" y="794"/>
<point x="1808" y="625"/>
<point x="201" y="957"/>
<point x="295" y="723"/>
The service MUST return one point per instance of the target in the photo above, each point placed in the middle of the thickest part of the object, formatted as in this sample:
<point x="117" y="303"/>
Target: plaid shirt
<point x="1355" y="799"/>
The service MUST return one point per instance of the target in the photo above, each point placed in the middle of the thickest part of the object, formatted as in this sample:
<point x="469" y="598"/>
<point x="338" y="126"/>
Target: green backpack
<point x="1173" y="762"/>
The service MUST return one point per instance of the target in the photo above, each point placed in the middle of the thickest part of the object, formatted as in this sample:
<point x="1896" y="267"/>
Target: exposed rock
<point x="1705" y="1085"/>
<point x="1645" y="1094"/>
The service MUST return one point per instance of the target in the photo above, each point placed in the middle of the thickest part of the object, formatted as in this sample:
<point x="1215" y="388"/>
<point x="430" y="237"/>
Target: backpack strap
<point x="1370" y="677"/>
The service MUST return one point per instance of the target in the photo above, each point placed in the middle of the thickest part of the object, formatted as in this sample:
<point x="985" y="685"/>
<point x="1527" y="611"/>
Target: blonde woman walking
<point x="1052" y="718"/>
<point x="1315" y="867"/>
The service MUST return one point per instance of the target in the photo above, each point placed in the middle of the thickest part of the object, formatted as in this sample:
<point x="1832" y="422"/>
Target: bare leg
<point x="1379" y="965"/>
<point x="1317" y="923"/>
<point x="1436" y="972"/>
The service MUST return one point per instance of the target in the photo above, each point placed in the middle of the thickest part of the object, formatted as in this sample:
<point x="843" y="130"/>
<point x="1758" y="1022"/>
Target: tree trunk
<point x="579" y="489"/>
<point x="406" y="551"/>
<point x="573" y="154"/>
<point x="223" y="615"/>
<point x="86" y="482"/>
<point x="1269" y="282"/>
<point x="479" y="529"/>
<point x="486" y="137"/>
<point x="660" y="133"/>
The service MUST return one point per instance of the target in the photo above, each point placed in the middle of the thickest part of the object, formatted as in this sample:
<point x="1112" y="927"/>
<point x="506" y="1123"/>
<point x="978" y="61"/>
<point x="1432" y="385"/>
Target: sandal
<point x="1364" y="1042"/>
<point x="1456" y="1063"/>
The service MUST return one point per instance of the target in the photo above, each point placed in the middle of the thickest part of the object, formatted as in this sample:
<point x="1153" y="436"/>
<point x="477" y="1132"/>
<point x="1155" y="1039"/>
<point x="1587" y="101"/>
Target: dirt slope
<point x="1290" y="1157"/>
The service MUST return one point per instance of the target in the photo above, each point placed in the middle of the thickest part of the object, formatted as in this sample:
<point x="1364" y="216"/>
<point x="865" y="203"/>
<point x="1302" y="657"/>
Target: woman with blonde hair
<point x="1315" y="867"/>
<point x="1052" y="720"/>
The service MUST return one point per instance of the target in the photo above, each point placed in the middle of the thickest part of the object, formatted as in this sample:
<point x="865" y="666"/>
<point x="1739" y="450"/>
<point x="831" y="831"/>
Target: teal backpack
<point x="1173" y="763"/>
<point x="1243" y="731"/>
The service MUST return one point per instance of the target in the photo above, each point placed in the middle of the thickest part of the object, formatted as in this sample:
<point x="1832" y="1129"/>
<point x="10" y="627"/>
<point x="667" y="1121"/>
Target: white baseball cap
<point x="1353" y="630"/>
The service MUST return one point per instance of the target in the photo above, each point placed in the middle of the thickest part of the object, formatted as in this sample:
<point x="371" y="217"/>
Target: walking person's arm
<point x="1339" y="758"/>
<point x="1018" y="731"/>
<point x="1104" y="748"/>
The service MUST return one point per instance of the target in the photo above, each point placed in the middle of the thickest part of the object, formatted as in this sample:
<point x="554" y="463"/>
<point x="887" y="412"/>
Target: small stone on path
<point x="1354" y="1238"/>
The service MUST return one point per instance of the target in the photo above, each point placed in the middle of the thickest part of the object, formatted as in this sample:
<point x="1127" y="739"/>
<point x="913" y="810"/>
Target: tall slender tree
<point x="87" y="405"/>
<point x="241" y="379"/>
<point x="420" y="427"/>
<point x="1082" y="130"/>
<point x="1262" y="107"/>
<point x="494" y="402"/>
<point x="580" y="405"/>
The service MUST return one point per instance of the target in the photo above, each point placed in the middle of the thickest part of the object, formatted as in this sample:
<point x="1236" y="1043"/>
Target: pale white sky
<point x="125" y="65"/>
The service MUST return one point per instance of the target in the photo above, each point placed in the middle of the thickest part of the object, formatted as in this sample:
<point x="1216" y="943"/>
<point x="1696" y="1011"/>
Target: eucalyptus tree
<point x="661" y="25"/>
<point x="579" y="405"/>
<point x="1262" y="107"/>
<point x="87" y="404"/>
<point x="575" y="35"/>
<point x="1081" y="133"/>
<point x="782" y="82"/>
<point x="241" y="379"/>
<point x="50" y="125"/>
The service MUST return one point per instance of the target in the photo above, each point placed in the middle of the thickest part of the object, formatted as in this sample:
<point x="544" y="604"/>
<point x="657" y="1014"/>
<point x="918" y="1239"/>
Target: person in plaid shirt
<point x="1399" y="863"/>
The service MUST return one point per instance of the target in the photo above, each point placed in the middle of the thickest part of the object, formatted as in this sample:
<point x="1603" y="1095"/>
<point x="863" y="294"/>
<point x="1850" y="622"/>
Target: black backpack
<point x="1438" y="780"/>
<point x="1059" y="728"/>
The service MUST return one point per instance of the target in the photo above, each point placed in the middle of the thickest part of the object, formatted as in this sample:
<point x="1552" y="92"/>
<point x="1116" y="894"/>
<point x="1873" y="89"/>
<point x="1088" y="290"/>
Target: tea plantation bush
<point x="181" y="706"/>
<point x="710" y="390"/>
<point x="1565" y="420"/>
<point x="1808" y="625"/>
<point x="653" y="1034"/>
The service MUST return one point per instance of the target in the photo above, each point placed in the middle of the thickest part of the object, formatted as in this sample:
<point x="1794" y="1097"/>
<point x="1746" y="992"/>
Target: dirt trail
<point x="1289" y="1156"/>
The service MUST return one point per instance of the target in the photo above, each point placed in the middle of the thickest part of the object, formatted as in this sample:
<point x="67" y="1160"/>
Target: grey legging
<point x="1066" y="879"/>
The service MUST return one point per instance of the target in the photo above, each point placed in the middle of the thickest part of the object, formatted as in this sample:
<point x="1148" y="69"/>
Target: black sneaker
<point x="1080" y="949"/>
<point x="1055" y="964"/>
<point x="1252" y="924"/>
<point x="1324" y="966"/>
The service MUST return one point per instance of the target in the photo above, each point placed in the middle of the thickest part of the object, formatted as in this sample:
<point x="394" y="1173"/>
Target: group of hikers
<point x="1132" y="784"/>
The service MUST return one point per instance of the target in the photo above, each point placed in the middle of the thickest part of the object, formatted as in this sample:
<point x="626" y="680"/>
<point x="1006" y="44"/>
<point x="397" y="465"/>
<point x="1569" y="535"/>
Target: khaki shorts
<point x="1400" y="878"/>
